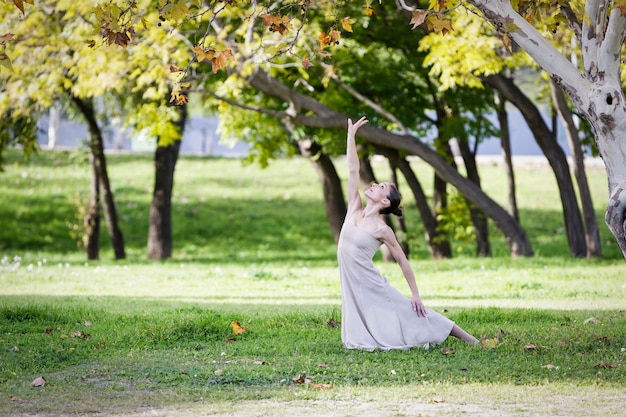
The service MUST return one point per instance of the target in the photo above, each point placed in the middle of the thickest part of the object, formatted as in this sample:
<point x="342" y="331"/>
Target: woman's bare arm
<point x="354" y="198"/>
<point x="388" y="237"/>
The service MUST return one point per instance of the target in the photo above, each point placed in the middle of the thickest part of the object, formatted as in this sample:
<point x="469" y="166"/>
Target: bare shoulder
<point x="385" y="234"/>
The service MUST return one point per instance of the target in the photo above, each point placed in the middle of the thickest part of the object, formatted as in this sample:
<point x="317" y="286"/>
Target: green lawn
<point x="139" y="337"/>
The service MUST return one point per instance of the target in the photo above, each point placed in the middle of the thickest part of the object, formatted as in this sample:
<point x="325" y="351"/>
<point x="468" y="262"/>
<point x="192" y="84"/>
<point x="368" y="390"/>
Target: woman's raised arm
<point x="354" y="198"/>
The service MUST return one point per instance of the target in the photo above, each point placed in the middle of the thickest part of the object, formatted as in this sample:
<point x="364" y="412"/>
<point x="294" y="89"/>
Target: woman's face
<point x="377" y="192"/>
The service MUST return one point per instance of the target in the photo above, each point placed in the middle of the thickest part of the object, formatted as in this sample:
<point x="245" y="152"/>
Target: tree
<point x="304" y="106"/>
<point x="485" y="59"/>
<point x="78" y="50"/>
<point x="234" y="42"/>
<point x="595" y="89"/>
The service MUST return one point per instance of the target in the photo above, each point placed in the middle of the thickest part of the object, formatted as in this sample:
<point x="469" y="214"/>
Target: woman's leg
<point x="463" y="335"/>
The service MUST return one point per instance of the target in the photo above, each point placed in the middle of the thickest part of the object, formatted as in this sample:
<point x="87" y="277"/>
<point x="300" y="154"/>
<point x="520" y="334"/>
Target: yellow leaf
<point x="202" y="54"/>
<point x="5" y="61"/>
<point x="369" y="12"/>
<point x="324" y="40"/>
<point x="220" y="60"/>
<point x="179" y="10"/>
<point x="334" y="35"/>
<point x="439" y="24"/>
<point x="347" y="23"/>
<point x="237" y="327"/>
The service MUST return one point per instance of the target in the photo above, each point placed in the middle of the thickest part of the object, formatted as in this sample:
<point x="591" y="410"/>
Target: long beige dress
<point x="376" y="315"/>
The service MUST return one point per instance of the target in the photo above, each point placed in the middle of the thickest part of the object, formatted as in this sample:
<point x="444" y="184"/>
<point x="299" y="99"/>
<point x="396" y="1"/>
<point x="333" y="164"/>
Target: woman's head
<point x="394" y="197"/>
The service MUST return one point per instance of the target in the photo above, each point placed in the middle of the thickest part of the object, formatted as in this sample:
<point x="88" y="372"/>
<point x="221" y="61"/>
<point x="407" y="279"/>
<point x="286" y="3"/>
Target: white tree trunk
<point x="54" y="120"/>
<point x="597" y="94"/>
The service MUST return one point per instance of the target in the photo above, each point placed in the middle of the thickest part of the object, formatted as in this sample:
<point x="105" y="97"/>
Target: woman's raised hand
<point x="353" y="127"/>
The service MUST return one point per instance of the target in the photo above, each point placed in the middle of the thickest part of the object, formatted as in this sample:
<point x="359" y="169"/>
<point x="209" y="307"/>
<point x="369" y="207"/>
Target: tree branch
<point x="370" y="103"/>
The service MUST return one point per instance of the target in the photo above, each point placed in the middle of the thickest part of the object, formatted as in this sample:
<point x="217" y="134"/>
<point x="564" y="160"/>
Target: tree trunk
<point x="597" y="93"/>
<point x="556" y="157"/>
<point x="97" y="149"/>
<point x="334" y="202"/>
<point x="592" y="233"/>
<point x="479" y="220"/>
<point x="54" y="121"/>
<point x="505" y="146"/>
<point x="92" y="217"/>
<point x="160" y="227"/>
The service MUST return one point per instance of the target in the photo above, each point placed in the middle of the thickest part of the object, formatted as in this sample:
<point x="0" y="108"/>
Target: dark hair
<point x="394" y="202"/>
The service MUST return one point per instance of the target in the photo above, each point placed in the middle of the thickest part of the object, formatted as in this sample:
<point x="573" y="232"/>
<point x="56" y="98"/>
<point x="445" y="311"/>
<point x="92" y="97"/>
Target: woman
<point x="374" y="314"/>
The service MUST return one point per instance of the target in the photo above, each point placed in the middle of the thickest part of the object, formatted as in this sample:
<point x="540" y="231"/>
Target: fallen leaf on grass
<point x="447" y="351"/>
<point x="436" y="400"/>
<point x="218" y="371"/>
<point x="81" y="335"/>
<point x="605" y="365"/>
<point x="592" y="320"/>
<point x="550" y="366"/>
<point x="301" y="379"/>
<point x="14" y="398"/>
<point x="38" y="382"/>
<point x="322" y="365"/>
<point x="260" y="363"/>
<point x="237" y="327"/>
<point x="332" y="323"/>
<point x="321" y="386"/>
<point x="530" y="346"/>
<point x="490" y="343"/>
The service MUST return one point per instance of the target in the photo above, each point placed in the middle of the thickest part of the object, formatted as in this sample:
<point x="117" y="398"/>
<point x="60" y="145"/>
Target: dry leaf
<point x="530" y="346"/>
<point x="237" y="327"/>
<point x="550" y="366"/>
<point x="436" y="400"/>
<point x="14" y="398"/>
<point x="487" y="343"/>
<point x="322" y="365"/>
<point x="301" y="379"/>
<point x="332" y="323"/>
<point x="306" y="63"/>
<point x="261" y="363"/>
<point x="38" y="382"/>
<point x="447" y="351"/>
<point x="417" y="18"/>
<point x="592" y="320"/>
<point x="322" y="386"/>
<point x="218" y="371"/>
<point x="605" y="365"/>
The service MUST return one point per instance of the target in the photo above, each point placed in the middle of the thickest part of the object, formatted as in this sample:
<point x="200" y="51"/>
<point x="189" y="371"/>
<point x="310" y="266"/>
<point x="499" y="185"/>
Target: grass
<point x="140" y="337"/>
